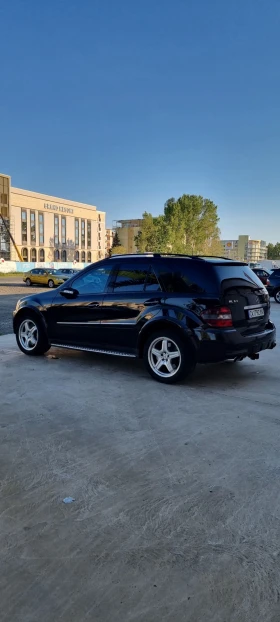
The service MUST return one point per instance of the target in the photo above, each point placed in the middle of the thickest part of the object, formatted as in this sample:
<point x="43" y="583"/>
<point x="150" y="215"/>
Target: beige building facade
<point x="48" y="228"/>
<point x="245" y="249"/>
<point x="109" y="240"/>
<point x="127" y="230"/>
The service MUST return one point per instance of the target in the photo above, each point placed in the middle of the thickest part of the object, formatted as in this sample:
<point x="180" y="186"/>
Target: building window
<point x="77" y="232"/>
<point x="41" y="230"/>
<point x="83" y="257"/>
<point x="63" y="230"/>
<point x="83" y="233"/>
<point x="89" y="257"/>
<point x="56" y="255"/>
<point x="24" y="254"/>
<point x="24" y="226"/>
<point x="41" y="252"/>
<point x="99" y="217"/>
<point x="32" y="228"/>
<point x="89" y="233"/>
<point x="77" y="256"/>
<point x="99" y="254"/>
<point x="63" y="256"/>
<point x="56" y="230"/>
<point x="33" y="254"/>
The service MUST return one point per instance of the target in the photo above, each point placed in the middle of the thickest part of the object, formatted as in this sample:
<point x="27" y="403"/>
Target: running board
<point x="111" y="352"/>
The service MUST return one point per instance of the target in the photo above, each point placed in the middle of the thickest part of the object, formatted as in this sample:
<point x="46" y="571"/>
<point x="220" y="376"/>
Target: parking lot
<point x="177" y="508"/>
<point x="11" y="289"/>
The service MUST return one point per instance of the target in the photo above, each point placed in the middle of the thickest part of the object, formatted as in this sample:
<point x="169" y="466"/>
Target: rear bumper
<point x="220" y="345"/>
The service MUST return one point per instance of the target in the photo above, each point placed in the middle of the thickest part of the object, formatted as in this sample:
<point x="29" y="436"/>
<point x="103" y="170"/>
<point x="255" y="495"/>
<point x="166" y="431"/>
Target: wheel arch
<point x="31" y="312"/>
<point x="165" y="324"/>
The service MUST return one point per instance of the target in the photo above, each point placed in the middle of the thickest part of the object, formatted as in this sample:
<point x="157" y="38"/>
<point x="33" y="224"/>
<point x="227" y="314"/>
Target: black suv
<point x="172" y="311"/>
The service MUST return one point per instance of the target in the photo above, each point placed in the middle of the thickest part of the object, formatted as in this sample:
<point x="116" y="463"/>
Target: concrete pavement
<point x="177" y="509"/>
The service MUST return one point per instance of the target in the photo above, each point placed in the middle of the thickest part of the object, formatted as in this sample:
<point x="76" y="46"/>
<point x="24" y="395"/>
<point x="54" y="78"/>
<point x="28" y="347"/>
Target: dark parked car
<point x="172" y="311"/>
<point x="274" y="285"/>
<point x="263" y="275"/>
<point x="67" y="271"/>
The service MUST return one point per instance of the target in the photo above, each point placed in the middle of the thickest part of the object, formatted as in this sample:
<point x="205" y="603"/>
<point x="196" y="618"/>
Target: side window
<point x="93" y="282"/>
<point x="131" y="277"/>
<point x="152" y="284"/>
<point x="181" y="278"/>
<point x="36" y="271"/>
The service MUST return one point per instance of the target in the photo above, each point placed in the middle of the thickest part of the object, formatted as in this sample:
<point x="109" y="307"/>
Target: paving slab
<point x="176" y="511"/>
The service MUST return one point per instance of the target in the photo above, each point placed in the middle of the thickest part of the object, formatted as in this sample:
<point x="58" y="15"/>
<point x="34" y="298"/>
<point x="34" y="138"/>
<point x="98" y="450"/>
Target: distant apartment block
<point x="245" y="249"/>
<point x="109" y="240"/>
<point x="127" y="230"/>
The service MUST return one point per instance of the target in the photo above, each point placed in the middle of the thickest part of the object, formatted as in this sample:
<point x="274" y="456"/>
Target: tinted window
<point x="93" y="282"/>
<point x="243" y="273"/>
<point x="36" y="271"/>
<point x="131" y="277"/>
<point x="152" y="284"/>
<point x="185" y="276"/>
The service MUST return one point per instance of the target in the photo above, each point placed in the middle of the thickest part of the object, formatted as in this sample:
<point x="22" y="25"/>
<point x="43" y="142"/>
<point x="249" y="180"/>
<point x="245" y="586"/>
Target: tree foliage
<point x="118" y="250"/>
<point x="116" y="240"/>
<point x="273" y="251"/>
<point x="188" y="225"/>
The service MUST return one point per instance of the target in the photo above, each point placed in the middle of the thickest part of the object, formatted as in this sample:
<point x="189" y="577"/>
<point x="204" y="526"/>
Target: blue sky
<point x="124" y="104"/>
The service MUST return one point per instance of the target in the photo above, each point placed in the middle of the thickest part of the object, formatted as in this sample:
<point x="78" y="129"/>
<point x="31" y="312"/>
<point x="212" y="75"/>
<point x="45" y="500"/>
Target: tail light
<point x="219" y="317"/>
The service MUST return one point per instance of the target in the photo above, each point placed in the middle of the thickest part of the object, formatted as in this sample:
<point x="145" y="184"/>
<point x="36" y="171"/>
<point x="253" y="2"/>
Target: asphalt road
<point x="176" y="515"/>
<point x="11" y="289"/>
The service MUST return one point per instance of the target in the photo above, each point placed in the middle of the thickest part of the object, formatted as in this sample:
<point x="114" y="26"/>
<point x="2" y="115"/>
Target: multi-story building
<point x="109" y="240"/>
<point x="245" y="249"/>
<point x="127" y="230"/>
<point x="48" y="228"/>
<point x="230" y="249"/>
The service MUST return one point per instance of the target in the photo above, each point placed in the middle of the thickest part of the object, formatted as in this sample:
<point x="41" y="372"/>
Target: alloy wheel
<point x="28" y="335"/>
<point x="277" y="296"/>
<point x="164" y="357"/>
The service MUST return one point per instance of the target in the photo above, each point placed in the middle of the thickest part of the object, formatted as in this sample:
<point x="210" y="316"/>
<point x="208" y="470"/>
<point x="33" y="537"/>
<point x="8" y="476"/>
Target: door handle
<point x="152" y="301"/>
<point x="94" y="304"/>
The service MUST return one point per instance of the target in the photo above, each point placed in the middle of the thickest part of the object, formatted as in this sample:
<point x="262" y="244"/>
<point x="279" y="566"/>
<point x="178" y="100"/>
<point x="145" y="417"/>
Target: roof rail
<point x="133" y="255"/>
<point x="150" y="254"/>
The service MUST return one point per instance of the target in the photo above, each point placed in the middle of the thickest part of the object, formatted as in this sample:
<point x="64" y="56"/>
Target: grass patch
<point x="5" y="275"/>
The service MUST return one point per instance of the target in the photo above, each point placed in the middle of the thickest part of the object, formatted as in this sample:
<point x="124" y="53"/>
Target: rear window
<point x="240" y="273"/>
<point x="187" y="276"/>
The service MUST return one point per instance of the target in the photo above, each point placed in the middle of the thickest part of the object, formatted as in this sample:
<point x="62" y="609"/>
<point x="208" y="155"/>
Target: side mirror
<point x="69" y="292"/>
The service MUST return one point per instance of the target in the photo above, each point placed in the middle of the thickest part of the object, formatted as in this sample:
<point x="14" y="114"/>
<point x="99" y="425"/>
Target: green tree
<point x="193" y="223"/>
<point x="273" y="251"/>
<point x="189" y="225"/>
<point x="154" y="235"/>
<point x="118" y="250"/>
<point x="116" y="240"/>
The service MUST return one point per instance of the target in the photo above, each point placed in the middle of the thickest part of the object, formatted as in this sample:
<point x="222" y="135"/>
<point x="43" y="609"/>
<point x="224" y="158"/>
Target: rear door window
<point x="187" y="276"/>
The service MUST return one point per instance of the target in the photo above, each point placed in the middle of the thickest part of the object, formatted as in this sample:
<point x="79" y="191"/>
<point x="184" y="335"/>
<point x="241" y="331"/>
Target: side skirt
<point x="97" y="350"/>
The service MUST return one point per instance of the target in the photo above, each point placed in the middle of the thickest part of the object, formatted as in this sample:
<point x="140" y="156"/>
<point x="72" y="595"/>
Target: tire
<point x="28" y="282"/>
<point x="50" y="283"/>
<point x="277" y="296"/>
<point x="167" y="343"/>
<point x="31" y="337"/>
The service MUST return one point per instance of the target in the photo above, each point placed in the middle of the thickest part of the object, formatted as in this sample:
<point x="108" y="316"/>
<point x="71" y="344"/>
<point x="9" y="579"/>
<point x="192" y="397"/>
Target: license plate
<point x="255" y="313"/>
